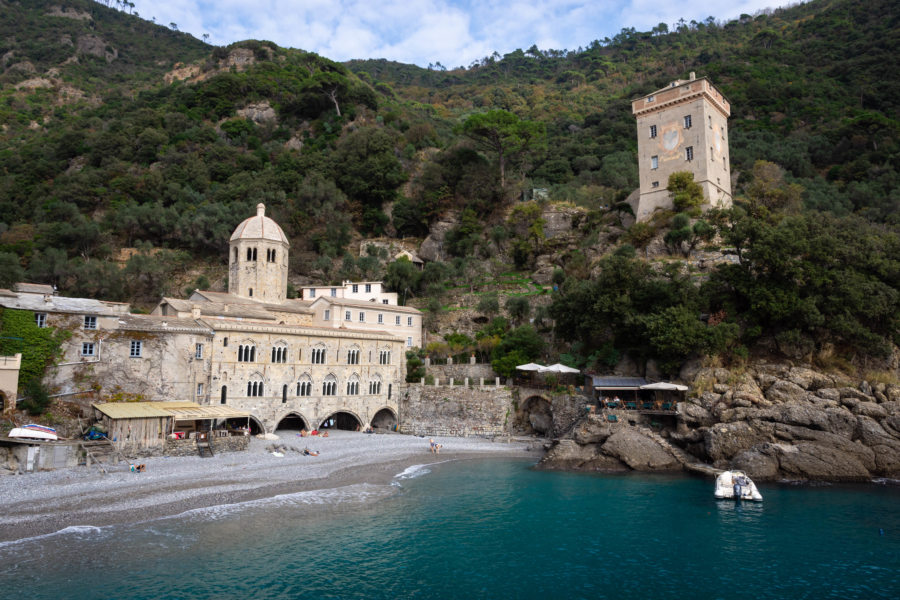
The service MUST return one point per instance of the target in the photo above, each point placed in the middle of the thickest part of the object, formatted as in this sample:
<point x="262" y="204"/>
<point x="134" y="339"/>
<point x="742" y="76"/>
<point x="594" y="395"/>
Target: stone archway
<point x="256" y="426"/>
<point x="535" y="416"/>
<point x="385" y="418"/>
<point x="292" y="421"/>
<point x="344" y="420"/>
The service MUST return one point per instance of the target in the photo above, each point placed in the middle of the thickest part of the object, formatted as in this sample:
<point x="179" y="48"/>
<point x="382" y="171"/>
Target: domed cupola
<point x="258" y="259"/>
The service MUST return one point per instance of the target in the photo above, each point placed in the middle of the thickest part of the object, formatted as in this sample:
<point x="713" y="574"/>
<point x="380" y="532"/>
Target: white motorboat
<point x="736" y="485"/>
<point x="33" y="432"/>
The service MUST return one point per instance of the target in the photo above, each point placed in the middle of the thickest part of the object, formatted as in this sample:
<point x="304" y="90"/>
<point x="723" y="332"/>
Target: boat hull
<point x="726" y="488"/>
<point x="26" y="433"/>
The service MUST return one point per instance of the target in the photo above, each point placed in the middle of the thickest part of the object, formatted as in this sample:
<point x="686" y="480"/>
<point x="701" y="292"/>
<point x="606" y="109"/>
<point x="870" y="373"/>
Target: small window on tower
<point x="689" y="153"/>
<point x="653" y="131"/>
<point x="687" y="121"/>
<point x="654" y="162"/>
<point x="250" y="292"/>
<point x="655" y="184"/>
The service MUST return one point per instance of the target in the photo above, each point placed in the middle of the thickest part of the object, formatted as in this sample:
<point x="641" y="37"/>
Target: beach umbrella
<point x="558" y="368"/>
<point x="530" y="367"/>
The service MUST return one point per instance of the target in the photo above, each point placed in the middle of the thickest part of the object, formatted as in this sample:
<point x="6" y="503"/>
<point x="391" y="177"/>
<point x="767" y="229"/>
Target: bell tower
<point x="258" y="260"/>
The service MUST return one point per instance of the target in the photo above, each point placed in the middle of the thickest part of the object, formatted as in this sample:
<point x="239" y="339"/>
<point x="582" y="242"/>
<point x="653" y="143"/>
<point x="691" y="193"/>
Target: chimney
<point x="693" y="76"/>
<point x="195" y="311"/>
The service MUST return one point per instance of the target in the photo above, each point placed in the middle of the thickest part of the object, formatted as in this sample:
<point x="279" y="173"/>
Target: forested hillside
<point x="122" y="134"/>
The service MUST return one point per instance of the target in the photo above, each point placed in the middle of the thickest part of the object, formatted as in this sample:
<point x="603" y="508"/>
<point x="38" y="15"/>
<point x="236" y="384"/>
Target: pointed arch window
<point x="329" y="386"/>
<point x="375" y="385"/>
<point x="304" y="386"/>
<point x="246" y="353"/>
<point x="353" y="356"/>
<point x="318" y="355"/>
<point x="254" y="389"/>
<point x="353" y="385"/>
<point x="279" y="353"/>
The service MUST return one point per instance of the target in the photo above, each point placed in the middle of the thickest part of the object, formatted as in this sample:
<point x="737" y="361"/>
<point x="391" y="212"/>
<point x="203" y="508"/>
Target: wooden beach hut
<point x="145" y="425"/>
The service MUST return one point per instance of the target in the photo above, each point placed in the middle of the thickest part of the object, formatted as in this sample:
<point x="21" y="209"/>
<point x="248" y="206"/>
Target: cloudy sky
<point x="452" y="32"/>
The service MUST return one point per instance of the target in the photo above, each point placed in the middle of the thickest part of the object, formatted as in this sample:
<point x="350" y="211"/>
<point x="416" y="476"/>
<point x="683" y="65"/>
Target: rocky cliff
<point x="773" y="421"/>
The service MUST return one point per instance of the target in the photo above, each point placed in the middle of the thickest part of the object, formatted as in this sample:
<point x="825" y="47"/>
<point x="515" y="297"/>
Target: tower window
<point x="655" y="184"/>
<point x="710" y="121"/>
<point x="250" y="292"/>
<point x="654" y="162"/>
<point x="254" y="388"/>
<point x="137" y="348"/>
<point x="689" y="153"/>
<point x="651" y="98"/>
<point x="318" y="356"/>
<point x="353" y="357"/>
<point x="687" y="121"/>
<point x="198" y="351"/>
<point x="653" y="131"/>
<point x="246" y="353"/>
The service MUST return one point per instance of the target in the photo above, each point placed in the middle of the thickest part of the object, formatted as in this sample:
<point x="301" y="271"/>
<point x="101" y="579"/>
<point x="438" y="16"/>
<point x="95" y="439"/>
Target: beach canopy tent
<point x="146" y="424"/>
<point x="615" y="383"/>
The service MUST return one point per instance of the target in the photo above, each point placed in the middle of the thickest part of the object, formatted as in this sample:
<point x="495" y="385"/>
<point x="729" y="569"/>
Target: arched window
<point x="375" y="385"/>
<point x="279" y="353"/>
<point x="284" y="394"/>
<point x="304" y="386"/>
<point x="250" y="294"/>
<point x="318" y="355"/>
<point x="246" y="353"/>
<point x="384" y="357"/>
<point x="224" y="394"/>
<point x="235" y="255"/>
<point x="254" y="388"/>
<point x="329" y="386"/>
<point x="353" y="356"/>
<point x="353" y="385"/>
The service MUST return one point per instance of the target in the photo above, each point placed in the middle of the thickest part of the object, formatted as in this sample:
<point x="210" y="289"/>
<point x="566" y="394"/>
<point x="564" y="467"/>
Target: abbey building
<point x="336" y="354"/>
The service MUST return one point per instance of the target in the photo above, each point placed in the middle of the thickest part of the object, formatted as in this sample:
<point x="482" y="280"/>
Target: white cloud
<point x="454" y="32"/>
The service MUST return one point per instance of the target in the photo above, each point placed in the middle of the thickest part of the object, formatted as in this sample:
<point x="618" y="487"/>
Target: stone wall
<point x="455" y="411"/>
<point x="233" y="443"/>
<point x="460" y="371"/>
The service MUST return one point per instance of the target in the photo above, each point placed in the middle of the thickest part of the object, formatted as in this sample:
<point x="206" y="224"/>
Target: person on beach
<point x="432" y="445"/>
<point x="308" y="452"/>
<point x="437" y="448"/>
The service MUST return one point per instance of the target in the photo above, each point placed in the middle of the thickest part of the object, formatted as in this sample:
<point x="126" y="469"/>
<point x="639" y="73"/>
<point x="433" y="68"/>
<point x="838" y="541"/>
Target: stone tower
<point x="258" y="259"/>
<point x="683" y="127"/>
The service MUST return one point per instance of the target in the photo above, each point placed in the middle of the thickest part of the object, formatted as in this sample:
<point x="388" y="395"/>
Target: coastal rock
<point x="567" y="455"/>
<point x="694" y="415"/>
<point x="726" y="440"/>
<point x="829" y="394"/>
<point x="592" y="431"/>
<point x="95" y="46"/>
<point x="870" y="409"/>
<point x="639" y="452"/>
<point x="810" y="460"/>
<point x="849" y="392"/>
<point x="809" y="379"/>
<point x="783" y="391"/>
<point x="885" y="447"/>
<point x="759" y="463"/>
<point x="842" y="448"/>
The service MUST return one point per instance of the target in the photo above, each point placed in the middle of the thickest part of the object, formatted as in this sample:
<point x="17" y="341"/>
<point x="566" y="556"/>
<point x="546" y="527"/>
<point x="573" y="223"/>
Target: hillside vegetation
<point x="122" y="134"/>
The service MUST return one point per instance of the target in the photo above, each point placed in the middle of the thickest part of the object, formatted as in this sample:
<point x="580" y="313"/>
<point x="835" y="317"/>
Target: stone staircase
<point x="101" y="452"/>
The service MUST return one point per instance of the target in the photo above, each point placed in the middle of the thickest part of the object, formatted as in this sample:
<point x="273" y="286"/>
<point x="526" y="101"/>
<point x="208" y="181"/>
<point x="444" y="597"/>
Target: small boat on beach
<point x="33" y="432"/>
<point x="736" y="485"/>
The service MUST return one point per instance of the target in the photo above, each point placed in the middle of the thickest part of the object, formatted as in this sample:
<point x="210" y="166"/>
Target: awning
<point x="617" y="383"/>
<point x="180" y="411"/>
<point x="665" y="386"/>
<point x="558" y="368"/>
<point x="530" y="367"/>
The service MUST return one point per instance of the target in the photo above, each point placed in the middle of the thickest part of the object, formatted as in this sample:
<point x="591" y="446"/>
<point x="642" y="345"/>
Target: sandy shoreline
<point x="46" y="502"/>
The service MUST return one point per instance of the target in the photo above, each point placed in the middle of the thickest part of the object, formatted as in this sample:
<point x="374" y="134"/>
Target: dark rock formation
<point x="772" y="421"/>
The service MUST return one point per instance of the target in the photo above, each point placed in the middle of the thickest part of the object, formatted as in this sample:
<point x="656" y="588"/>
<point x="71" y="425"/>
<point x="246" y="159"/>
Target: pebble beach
<point x="49" y="501"/>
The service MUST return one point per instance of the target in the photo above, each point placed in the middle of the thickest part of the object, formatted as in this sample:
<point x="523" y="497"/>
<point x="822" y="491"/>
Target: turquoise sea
<point x="487" y="529"/>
